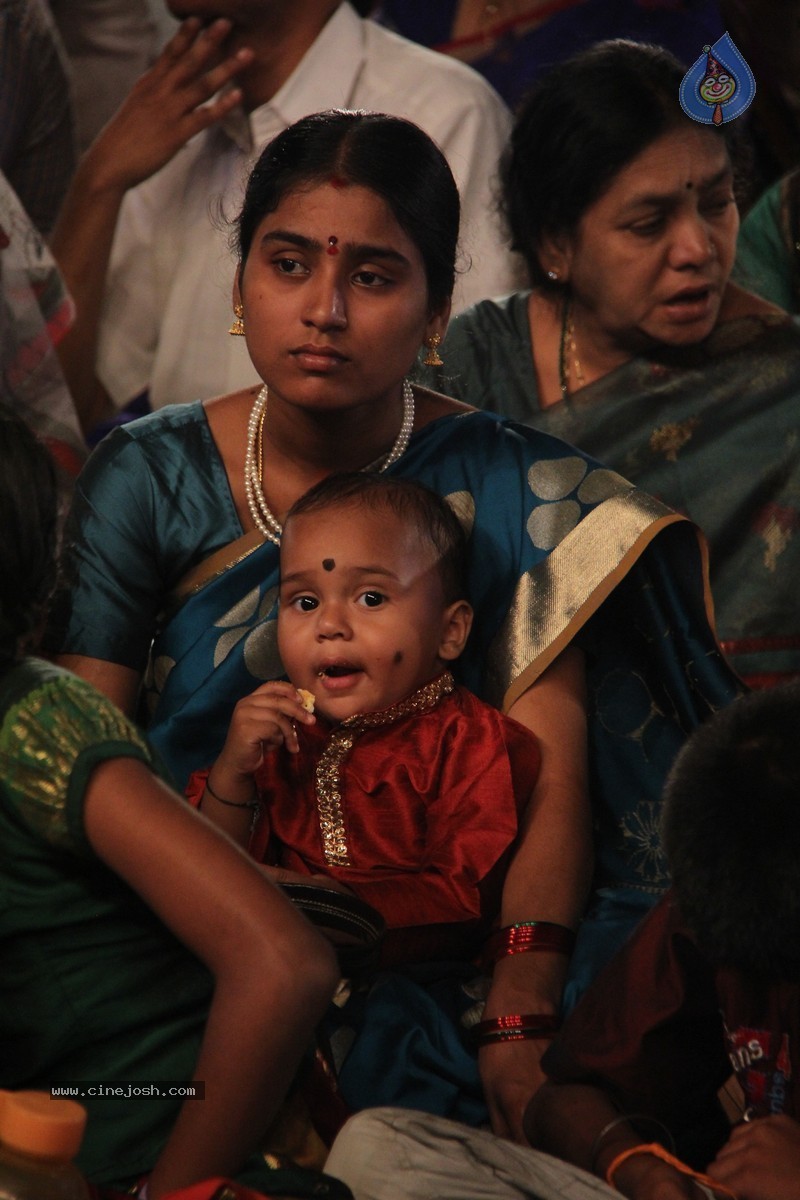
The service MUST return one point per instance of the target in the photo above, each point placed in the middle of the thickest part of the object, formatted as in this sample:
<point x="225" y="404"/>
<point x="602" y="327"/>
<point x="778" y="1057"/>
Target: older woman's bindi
<point x="333" y="245"/>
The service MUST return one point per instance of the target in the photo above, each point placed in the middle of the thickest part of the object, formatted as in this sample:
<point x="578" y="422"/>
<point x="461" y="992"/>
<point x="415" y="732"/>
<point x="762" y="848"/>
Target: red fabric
<point x="431" y="806"/>
<point x="207" y="1190"/>
<point x="664" y="1029"/>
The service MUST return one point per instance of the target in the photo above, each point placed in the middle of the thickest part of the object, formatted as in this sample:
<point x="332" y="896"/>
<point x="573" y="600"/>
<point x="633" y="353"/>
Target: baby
<point x="401" y="786"/>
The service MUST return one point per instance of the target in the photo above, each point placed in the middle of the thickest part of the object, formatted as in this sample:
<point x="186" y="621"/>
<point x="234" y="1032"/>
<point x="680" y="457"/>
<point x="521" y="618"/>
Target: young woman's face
<point x="335" y="299"/>
<point x="650" y="259"/>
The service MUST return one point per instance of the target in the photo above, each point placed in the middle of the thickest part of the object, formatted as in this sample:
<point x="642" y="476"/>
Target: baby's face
<point x="362" y="609"/>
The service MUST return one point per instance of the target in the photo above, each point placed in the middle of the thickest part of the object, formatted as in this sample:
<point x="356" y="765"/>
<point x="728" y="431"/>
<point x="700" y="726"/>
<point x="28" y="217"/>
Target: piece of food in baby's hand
<point x="306" y="699"/>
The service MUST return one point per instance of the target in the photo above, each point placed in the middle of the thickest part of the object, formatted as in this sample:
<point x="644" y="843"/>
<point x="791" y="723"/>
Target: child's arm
<point x="264" y="719"/>
<point x="274" y="974"/>
<point x="761" y="1160"/>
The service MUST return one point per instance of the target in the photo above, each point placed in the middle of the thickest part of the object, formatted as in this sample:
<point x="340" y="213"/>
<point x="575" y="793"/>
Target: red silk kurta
<point x="414" y="808"/>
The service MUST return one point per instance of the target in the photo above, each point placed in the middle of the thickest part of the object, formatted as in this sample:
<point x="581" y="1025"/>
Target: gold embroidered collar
<point x="329" y="767"/>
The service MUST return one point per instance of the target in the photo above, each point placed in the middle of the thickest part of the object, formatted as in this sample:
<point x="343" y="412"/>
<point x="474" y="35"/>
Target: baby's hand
<point x="267" y="717"/>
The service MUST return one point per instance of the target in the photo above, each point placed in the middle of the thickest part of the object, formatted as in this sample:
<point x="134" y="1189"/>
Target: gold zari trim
<point x="44" y="734"/>
<point x="555" y="599"/>
<point x="329" y="767"/>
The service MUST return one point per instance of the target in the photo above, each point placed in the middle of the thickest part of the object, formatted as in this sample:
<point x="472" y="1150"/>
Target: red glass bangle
<point x="515" y="1028"/>
<point x="528" y="935"/>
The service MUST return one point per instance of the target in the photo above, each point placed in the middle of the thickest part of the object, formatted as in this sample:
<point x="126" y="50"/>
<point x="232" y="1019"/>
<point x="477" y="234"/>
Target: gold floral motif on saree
<point x="670" y="439"/>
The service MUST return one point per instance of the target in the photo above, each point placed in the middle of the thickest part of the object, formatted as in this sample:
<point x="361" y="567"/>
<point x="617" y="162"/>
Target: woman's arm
<point x="274" y="974"/>
<point x="120" y="684"/>
<point x="548" y="881"/>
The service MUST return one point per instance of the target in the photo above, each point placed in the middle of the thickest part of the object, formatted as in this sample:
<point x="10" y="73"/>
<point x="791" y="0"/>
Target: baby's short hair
<point x="431" y="516"/>
<point x="731" y="828"/>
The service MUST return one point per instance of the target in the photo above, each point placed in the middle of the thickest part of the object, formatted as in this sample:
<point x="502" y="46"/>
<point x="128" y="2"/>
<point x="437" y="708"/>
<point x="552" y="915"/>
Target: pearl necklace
<point x="263" y="518"/>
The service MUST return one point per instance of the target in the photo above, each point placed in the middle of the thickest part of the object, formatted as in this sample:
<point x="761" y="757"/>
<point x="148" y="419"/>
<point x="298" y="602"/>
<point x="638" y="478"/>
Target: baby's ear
<point x="456" y="624"/>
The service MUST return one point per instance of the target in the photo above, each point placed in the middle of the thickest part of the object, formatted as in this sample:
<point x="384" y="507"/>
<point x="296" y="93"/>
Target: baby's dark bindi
<point x="328" y="564"/>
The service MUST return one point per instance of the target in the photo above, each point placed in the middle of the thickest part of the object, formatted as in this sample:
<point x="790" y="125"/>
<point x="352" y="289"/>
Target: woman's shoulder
<point x="501" y="315"/>
<point x="738" y="303"/>
<point x="39" y="687"/>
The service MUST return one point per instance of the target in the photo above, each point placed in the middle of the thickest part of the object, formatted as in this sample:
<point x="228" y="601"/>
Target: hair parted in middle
<point x="429" y="514"/>
<point x="388" y="155"/>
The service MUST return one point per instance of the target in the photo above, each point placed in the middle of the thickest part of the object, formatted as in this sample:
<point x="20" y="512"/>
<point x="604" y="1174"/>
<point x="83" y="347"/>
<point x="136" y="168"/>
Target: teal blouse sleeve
<point x="152" y="501"/>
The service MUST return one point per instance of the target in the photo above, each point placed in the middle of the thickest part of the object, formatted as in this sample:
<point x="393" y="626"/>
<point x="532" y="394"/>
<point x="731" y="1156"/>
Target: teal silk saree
<point x="561" y="549"/>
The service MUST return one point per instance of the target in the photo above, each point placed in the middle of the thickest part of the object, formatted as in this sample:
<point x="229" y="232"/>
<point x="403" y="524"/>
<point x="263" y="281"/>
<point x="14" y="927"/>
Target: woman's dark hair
<point x="28" y="532"/>
<point x="581" y="124"/>
<point x="431" y="516"/>
<point x="388" y="155"/>
<point x="731" y="830"/>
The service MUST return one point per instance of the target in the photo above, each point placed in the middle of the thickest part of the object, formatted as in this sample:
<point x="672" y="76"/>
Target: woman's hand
<point x="547" y="881"/>
<point x="761" y="1160"/>
<point x="510" y="1071"/>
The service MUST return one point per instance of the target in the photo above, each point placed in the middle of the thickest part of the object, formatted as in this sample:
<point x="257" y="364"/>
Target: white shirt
<point x="168" y="301"/>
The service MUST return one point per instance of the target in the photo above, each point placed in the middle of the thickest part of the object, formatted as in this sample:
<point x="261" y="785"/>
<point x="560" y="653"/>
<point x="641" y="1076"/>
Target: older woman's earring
<point x="432" y="358"/>
<point x="553" y="276"/>
<point x="237" y="328"/>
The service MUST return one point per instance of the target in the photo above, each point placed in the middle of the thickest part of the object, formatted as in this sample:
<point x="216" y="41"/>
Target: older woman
<point x="347" y="244"/>
<point x="633" y="344"/>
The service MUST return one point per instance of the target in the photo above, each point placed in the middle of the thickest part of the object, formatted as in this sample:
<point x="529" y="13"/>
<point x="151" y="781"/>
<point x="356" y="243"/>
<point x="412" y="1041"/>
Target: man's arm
<point x="169" y="105"/>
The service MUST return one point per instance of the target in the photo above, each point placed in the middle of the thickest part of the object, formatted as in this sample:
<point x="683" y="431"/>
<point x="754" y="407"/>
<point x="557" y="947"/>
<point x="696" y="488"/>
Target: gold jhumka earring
<point x="237" y="328"/>
<point x="432" y="358"/>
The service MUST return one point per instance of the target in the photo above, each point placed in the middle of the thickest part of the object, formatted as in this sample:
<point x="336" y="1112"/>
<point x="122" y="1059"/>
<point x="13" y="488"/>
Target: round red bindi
<point x="333" y="245"/>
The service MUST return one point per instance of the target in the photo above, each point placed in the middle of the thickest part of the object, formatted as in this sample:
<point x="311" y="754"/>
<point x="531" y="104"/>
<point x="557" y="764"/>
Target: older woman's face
<point x="650" y="259"/>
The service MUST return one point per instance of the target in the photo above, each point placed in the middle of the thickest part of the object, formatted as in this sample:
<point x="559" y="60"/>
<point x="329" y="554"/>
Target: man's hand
<point x="167" y="106"/>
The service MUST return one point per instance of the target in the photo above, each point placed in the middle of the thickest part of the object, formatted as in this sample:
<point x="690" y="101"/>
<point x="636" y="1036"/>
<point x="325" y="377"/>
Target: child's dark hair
<point x="28" y="532"/>
<point x="431" y="516"/>
<point x="731" y="829"/>
<point x="390" y="156"/>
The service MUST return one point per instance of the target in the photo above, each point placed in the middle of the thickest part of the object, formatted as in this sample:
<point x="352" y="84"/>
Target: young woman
<point x="347" y="246"/>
